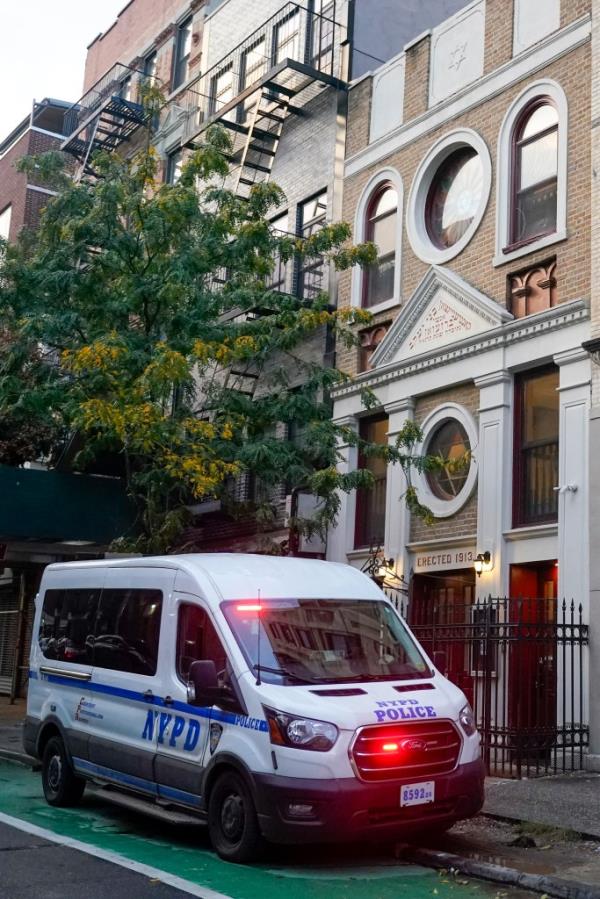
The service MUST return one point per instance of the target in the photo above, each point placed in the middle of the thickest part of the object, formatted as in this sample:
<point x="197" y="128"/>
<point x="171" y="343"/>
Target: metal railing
<point x="522" y="663"/>
<point x="293" y="33"/>
<point x="121" y="81"/>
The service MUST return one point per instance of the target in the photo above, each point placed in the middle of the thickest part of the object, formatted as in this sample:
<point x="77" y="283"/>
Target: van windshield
<point x="324" y="641"/>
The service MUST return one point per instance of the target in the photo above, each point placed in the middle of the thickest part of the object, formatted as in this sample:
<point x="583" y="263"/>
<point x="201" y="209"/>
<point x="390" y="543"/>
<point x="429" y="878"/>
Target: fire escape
<point x="105" y="117"/>
<point x="270" y="76"/>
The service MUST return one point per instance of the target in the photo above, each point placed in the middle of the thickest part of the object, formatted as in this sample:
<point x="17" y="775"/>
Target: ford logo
<point x="414" y="745"/>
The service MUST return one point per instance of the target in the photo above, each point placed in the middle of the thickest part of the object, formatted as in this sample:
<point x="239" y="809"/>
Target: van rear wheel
<point x="61" y="785"/>
<point x="232" y="822"/>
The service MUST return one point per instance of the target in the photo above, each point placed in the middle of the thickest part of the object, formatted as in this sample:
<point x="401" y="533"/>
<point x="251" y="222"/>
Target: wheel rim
<point x="54" y="773"/>
<point x="233" y="817"/>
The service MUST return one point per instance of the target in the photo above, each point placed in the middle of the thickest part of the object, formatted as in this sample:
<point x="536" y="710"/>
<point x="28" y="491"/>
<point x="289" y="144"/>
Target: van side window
<point x="67" y="625"/>
<point x="197" y="640"/>
<point x="127" y="630"/>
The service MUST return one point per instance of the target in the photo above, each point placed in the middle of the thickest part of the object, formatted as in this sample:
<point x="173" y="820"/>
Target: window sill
<point x="382" y="307"/>
<point x="531" y="532"/>
<point x="547" y="241"/>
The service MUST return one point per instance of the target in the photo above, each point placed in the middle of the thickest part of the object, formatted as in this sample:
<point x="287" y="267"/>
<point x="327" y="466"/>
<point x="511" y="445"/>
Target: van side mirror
<point x="204" y="683"/>
<point x="440" y="660"/>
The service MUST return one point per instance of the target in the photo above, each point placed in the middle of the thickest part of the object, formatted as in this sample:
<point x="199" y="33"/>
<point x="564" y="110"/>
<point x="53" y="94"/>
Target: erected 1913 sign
<point x="444" y="559"/>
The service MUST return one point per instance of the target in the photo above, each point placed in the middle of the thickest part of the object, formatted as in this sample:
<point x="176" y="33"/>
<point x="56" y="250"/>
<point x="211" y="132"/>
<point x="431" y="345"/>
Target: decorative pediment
<point x="444" y="309"/>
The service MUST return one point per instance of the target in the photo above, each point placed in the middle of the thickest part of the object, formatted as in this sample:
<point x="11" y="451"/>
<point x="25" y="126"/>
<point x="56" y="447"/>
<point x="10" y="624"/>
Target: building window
<point x="536" y="448"/>
<point x="323" y="32"/>
<point x="221" y="89"/>
<point x="286" y="38"/>
<point x="125" y="90"/>
<point x="312" y="215"/>
<point x="278" y="279"/>
<point x="174" y="166"/>
<point x="531" y="186"/>
<point x="254" y="62"/>
<point x="450" y="435"/>
<point x="382" y="222"/>
<point x="449" y="444"/>
<point x="151" y="67"/>
<point x="535" y="173"/>
<point x="5" y="217"/>
<point x="183" y="46"/>
<point x="370" y="504"/>
<point x="454" y="197"/>
<point x="449" y="196"/>
<point x="533" y="289"/>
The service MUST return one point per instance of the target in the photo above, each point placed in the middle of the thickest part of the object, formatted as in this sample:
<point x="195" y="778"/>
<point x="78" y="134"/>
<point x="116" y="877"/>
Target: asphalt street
<point x="32" y="868"/>
<point x="100" y="850"/>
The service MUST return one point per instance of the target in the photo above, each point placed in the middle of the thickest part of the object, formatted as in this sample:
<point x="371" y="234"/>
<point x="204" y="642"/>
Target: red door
<point x="532" y="658"/>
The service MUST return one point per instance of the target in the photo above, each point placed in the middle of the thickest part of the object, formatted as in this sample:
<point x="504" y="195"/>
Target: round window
<point x="450" y="444"/>
<point x="454" y="197"/>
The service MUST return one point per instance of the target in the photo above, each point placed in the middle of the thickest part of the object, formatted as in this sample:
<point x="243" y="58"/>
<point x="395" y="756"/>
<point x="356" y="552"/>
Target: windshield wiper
<point x="284" y="673"/>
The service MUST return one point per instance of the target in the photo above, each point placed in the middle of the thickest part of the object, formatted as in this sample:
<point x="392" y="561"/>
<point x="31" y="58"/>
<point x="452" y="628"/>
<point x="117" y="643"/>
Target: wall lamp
<point x="483" y="562"/>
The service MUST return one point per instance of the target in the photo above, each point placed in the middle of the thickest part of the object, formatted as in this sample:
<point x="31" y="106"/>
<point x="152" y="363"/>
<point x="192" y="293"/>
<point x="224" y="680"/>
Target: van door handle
<point x="149" y="695"/>
<point x="168" y="700"/>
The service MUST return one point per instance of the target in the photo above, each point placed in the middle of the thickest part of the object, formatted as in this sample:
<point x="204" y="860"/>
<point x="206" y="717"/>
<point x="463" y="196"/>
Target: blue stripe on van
<point x="136" y="696"/>
<point x="139" y="783"/>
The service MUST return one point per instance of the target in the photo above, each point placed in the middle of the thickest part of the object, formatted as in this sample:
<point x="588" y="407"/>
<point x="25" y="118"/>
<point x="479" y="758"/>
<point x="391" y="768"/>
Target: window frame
<point x="517" y="143"/>
<point x="552" y="91"/>
<point x="181" y="62"/>
<point x="519" y="519"/>
<point x="359" y="274"/>
<point x="363" y="539"/>
<point x="306" y="227"/>
<point x="174" y="157"/>
<point x="369" y="228"/>
<point x="446" y="508"/>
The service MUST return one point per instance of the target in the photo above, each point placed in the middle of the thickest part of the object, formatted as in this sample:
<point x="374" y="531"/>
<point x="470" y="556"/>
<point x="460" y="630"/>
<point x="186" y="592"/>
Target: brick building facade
<point x="469" y="162"/>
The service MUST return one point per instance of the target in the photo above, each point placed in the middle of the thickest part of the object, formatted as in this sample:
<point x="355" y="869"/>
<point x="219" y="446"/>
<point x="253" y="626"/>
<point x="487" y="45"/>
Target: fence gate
<point x="522" y="663"/>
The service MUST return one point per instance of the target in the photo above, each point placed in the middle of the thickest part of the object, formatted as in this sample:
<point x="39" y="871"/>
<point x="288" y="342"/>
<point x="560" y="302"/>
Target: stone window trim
<point x="416" y="225"/>
<point x="549" y="90"/>
<point x="442" y="508"/>
<point x="373" y="186"/>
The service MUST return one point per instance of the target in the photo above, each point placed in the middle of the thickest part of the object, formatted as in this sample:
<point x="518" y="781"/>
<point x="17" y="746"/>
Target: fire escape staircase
<point x="255" y="114"/>
<point x="104" y="118"/>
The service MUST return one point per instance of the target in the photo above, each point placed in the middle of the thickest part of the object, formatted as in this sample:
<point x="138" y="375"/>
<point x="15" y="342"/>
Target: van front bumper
<point x="310" y="811"/>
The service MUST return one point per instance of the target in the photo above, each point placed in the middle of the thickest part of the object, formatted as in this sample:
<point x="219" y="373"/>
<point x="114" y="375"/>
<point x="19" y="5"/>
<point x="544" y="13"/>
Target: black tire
<point x="61" y="785"/>
<point x="232" y="822"/>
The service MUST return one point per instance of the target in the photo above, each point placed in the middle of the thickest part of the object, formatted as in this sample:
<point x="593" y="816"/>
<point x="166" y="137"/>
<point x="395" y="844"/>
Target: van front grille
<point x="417" y="749"/>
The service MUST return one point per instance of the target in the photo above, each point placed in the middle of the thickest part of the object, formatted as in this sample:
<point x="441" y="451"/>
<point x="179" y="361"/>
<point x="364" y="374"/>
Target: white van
<point x="278" y="699"/>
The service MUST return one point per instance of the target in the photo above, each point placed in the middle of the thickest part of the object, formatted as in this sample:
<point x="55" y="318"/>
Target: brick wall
<point x="465" y="520"/>
<point x="13" y="184"/>
<point x="134" y="32"/>
<point x="474" y="264"/>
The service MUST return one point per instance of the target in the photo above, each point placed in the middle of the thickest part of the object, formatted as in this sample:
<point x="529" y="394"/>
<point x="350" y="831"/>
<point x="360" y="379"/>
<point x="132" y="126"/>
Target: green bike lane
<point x="184" y="852"/>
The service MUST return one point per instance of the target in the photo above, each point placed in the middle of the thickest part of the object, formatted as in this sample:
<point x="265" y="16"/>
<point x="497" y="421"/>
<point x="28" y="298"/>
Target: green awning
<point x="54" y="506"/>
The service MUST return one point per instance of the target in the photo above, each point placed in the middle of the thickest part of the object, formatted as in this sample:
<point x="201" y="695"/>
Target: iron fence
<point x="522" y="663"/>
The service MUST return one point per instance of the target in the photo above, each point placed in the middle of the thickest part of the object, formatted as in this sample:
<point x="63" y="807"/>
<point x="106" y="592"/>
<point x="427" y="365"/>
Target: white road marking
<point x="170" y="879"/>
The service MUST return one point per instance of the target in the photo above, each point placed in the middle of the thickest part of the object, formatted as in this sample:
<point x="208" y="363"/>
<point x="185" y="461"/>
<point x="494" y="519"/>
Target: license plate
<point x="417" y="794"/>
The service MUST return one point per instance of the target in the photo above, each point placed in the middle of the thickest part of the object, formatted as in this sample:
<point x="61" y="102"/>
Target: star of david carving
<point x="458" y="56"/>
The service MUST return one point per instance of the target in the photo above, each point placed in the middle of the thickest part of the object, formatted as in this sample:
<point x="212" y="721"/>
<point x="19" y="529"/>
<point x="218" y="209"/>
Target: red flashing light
<point x="249" y="607"/>
<point x="390" y="747"/>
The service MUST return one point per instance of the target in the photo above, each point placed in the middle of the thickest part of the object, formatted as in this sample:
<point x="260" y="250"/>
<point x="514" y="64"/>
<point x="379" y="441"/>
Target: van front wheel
<point x="232" y="822"/>
<point x="61" y="785"/>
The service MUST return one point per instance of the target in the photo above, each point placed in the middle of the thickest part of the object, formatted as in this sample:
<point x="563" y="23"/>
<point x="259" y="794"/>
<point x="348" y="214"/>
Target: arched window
<point x="535" y="172"/>
<point x="381" y="229"/>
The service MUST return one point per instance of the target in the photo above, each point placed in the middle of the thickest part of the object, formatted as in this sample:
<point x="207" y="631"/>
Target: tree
<point x="140" y="316"/>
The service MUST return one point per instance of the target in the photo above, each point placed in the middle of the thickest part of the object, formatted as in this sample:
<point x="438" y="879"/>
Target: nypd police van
<point x="277" y="699"/>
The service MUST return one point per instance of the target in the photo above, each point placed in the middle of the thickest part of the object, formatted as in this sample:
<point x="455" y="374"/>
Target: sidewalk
<point x="529" y="829"/>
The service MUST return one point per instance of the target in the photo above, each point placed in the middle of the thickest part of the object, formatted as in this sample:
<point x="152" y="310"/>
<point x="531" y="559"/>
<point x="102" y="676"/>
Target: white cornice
<point x="526" y="63"/>
<point x="521" y="329"/>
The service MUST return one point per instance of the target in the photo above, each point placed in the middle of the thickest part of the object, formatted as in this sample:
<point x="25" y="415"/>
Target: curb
<point x="513" y="819"/>
<point x="20" y="758"/>
<point x="540" y="883"/>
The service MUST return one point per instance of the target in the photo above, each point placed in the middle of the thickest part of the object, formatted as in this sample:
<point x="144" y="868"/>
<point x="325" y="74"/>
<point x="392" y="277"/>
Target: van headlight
<point x="467" y="720"/>
<point x="300" y="732"/>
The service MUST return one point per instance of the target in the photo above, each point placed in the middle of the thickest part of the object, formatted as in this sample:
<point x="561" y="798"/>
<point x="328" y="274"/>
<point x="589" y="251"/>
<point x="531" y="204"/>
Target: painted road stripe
<point x="154" y="873"/>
